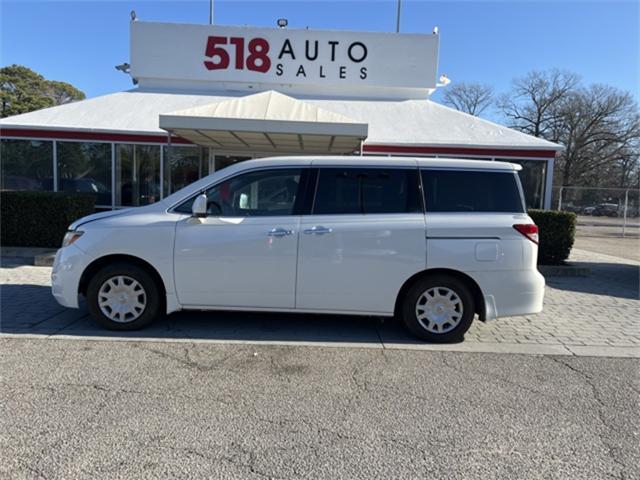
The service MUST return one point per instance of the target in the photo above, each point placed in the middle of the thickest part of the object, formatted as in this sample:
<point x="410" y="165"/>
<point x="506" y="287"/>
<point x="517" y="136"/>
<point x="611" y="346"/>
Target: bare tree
<point x="471" y="98"/>
<point x="599" y="126"/>
<point x="600" y="129"/>
<point x="533" y="104"/>
<point x="629" y="175"/>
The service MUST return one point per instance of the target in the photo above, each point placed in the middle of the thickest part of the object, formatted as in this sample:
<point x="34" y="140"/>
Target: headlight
<point x="71" y="237"/>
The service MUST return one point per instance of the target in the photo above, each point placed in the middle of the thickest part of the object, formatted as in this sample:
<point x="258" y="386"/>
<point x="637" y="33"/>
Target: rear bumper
<point x="511" y="293"/>
<point x="68" y="266"/>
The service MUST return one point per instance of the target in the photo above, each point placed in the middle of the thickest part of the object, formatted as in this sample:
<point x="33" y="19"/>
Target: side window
<point x="366" y="191"/>
<point x="255" y="194"/>
<point x="471" y="191"/>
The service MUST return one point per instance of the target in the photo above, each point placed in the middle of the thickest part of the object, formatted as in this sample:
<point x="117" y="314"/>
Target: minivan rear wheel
<point x="123" y="296"/>
<point x="438" y="308"/>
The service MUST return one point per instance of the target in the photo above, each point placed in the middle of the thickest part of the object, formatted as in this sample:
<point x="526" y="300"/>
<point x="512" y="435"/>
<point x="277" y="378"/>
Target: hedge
<point x="40" y="219"/>
<point x="557" y="231"/>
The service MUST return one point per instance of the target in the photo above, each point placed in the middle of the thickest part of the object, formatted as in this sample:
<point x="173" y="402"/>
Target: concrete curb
<point x="564" y="270"/>
<point x="45" y="260"/>
<point x="40" y="257"/>
<point x="466" y="347"/>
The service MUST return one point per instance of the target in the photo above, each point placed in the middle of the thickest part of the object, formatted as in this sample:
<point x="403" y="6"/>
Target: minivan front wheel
<point x="123" y="296"/>
<point x="438" y="308"/>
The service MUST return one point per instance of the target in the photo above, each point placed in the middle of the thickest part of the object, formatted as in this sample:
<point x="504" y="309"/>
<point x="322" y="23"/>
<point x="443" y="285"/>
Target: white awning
<point x="267" y="122"/>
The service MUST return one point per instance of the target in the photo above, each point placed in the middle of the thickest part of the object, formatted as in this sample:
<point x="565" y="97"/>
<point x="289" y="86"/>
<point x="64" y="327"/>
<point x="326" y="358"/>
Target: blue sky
<point x="488" y="42"/>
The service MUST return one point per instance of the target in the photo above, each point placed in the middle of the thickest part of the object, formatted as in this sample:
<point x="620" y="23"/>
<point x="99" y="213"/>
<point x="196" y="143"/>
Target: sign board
<point x="330" y="63"/>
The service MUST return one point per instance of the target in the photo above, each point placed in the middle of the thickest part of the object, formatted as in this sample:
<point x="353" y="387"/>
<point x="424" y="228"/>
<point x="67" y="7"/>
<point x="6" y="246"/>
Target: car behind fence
<point x="606" y="212"/>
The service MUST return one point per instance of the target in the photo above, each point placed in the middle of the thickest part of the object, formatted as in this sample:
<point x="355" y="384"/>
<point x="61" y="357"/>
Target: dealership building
<point x="207" y="96"/>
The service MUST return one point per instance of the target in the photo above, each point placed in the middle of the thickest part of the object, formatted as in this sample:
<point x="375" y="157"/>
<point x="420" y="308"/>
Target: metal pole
<point x="162" y="171"/>
<point x="626" y="203"/>
<point x="398" y="16"/>
<point x="548" y="186"/>
<point x="560" y="199"/>
<point x="135" y="180"/>
<point x="210" y="12"/>
<point x="167" y="162"/>
<point x="55" y="166"/>
<point x="212" y="161"/>
<point x="113" y="176"/>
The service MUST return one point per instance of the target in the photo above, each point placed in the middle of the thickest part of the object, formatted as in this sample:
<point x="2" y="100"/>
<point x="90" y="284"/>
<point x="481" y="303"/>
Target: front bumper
<point x="68" y="266"/>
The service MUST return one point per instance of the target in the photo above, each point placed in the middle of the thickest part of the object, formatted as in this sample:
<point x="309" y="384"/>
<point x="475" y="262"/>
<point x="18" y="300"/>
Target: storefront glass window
<point x="532" y="177"/>
<point x="26" y="165"/>
<point x="137" y="174"/>
<point x="182" y="166"/>
<point x="85" y="167"/>
<point x="223" y="161"/>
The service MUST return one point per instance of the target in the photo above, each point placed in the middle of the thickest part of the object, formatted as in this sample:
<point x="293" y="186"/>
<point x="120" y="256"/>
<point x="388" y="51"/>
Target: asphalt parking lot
<point x="237" y="395"/>
<point x="123" y="410"/>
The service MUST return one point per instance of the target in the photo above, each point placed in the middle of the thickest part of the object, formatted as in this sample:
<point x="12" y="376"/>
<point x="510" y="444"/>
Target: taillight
<point x="529" y="230"/>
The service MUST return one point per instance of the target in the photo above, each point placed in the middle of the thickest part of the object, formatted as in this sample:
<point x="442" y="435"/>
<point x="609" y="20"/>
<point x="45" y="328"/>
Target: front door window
<point x="257" y="194"/>
<point x="267" y="193"/>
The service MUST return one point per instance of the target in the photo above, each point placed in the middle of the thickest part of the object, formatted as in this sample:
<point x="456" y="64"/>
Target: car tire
<point x="438" y="308"/>
<point x="124" y="296"/>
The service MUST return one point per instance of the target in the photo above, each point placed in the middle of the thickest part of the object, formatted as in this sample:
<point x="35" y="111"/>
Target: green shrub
<point x="557" y="232"/>
<point x="40" y="219"/>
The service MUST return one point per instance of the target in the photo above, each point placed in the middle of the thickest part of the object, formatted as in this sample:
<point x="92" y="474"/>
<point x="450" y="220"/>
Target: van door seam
<point x="173" y="262"/>
<point x="295" y="281"/>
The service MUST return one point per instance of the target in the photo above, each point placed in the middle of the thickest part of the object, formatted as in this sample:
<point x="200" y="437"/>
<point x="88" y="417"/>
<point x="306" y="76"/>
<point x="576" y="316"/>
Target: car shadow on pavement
<point x="31" y="309"/>
<point x="609" y="279"/>
<point x="281" y="327"/>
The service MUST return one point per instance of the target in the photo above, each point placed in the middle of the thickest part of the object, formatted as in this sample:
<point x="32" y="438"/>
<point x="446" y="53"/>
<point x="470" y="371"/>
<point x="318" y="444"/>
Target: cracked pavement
<point x="121" y="410"/>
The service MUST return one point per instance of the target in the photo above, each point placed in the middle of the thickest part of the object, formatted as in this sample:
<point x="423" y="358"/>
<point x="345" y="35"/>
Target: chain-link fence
<point x="602" y="212"/>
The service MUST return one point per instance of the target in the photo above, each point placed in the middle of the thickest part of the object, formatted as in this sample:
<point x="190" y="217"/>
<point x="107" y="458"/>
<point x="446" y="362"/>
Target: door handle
<point x="279" y="232"/>
<point x="318" y="230"/>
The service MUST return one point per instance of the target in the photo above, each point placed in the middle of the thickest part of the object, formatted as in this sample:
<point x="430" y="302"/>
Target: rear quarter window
<point x="472" y="191"/>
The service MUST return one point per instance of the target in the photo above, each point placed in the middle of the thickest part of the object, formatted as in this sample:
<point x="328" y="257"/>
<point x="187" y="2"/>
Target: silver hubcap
<point x="122" y="299"/>
<point x="439" y="310"/>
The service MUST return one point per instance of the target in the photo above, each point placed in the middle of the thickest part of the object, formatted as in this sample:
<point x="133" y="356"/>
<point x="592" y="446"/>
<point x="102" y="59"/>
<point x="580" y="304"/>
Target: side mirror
<point x="199" y="207"/>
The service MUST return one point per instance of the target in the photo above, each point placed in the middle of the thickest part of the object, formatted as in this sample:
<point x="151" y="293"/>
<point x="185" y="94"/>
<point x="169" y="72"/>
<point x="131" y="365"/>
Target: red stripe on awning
<point x="486" y="152"/>
<point x="87" y="135"/>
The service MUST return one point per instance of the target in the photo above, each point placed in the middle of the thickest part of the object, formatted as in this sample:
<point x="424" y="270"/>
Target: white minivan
<point x="434" y="242"/>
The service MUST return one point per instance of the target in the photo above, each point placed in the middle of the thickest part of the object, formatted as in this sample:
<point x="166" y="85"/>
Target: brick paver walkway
<point x="600" y="310"/>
